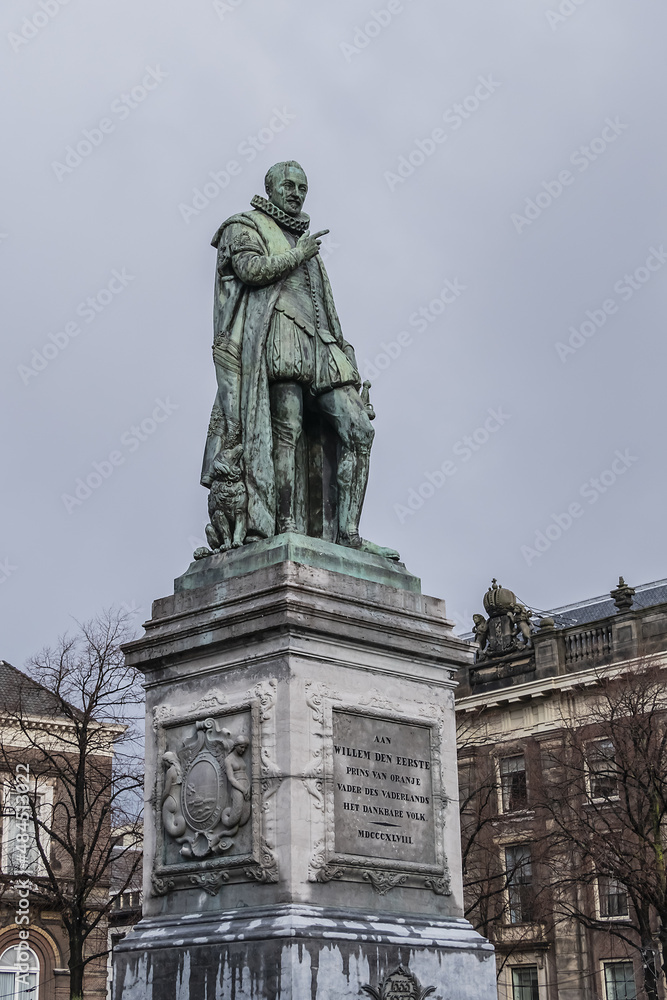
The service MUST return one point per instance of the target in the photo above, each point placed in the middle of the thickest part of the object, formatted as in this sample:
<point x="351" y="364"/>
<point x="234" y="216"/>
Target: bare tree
<point x="74" y="722"/>
<point x="500" y="899"/>
<point x="484" y="880"/>
<point x="605" y="799"/>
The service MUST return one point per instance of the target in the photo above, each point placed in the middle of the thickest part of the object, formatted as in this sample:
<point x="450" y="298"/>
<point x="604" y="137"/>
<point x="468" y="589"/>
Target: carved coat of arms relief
<point x="206" y="797"/>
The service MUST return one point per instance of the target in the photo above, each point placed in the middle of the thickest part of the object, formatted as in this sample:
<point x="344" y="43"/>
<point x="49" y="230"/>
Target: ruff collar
<point x="295" y="224"/>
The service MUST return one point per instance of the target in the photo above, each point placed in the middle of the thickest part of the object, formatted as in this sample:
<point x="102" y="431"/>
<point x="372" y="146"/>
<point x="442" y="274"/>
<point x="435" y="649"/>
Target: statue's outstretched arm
<point x="260" y="269"/>
<point x="254" y="267"/>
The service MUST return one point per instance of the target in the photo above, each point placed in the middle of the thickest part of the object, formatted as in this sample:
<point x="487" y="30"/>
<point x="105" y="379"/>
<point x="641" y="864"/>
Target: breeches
<point x="293" y="355"/>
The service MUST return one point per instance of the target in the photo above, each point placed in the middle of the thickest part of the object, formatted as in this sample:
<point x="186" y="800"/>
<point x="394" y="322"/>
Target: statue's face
<point x="289" y="191"/>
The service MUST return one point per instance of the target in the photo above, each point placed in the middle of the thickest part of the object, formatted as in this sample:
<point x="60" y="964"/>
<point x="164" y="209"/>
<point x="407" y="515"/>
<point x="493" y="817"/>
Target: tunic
<point x="299" y="346"/>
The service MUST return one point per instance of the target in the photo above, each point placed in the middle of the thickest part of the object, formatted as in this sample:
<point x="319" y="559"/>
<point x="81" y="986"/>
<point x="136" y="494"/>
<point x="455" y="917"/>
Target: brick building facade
<point x="34" y="948"/>
<point x="528" y="686"/>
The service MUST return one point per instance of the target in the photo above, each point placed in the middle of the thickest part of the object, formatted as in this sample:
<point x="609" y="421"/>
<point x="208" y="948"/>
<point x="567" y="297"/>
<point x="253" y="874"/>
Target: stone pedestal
<point x="302" y="834"/>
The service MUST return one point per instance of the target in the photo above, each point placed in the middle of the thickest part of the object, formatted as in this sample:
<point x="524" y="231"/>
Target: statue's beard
<point x="292" y="206"/>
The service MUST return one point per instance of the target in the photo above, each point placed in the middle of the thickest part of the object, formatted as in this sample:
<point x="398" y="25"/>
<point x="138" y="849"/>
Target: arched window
<point x="19" y="974"/>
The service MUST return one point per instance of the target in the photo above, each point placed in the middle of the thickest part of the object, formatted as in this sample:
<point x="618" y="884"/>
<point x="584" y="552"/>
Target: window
<point x="126" y="901"/>
<point x="519" y="868"/>
<point x="524" y="983"/>
<point x="19" y="974"/>
<point x="619" y="981"/>
<point x="513" y="783"/>
<point x="613" y="897"/>
<point x="20" y="855"/>
<point x="466" y="774"/>
<point x="602" y="770"/>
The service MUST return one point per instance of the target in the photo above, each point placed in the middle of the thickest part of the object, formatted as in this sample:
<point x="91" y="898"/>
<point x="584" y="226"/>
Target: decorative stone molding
<point x="376" y="700"/>
<point x="266" y="695"/>
<point x="161" y="714"/>
<point x="399" y="983"/>
<point x="313" y="778"/>
<point x="209" y="703"/>
<point x="318" y="870"/>
<point x="440" y="886"/>
<point x="383" y="882"/>
<point x="267" y="871"/>
<point x="271" y="777"/>
<point x="161" y="886"/>
<point x="315" y="695"/>
<point x="210" y="882"/>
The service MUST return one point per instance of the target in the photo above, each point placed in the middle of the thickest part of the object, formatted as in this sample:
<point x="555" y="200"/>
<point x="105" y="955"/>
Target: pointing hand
<point x="310" y="245"/>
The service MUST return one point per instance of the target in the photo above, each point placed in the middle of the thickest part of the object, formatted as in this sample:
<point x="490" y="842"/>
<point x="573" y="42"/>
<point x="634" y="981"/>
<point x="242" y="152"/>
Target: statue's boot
<point x="284" y="465"/>
<point x="353" y="469"/>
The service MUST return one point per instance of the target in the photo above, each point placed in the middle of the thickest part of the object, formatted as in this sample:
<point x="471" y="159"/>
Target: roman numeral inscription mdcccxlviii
<point x="383" y="789"/>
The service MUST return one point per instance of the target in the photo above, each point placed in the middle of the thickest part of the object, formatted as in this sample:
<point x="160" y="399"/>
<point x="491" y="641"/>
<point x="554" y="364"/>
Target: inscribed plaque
<point x="383" y="788"/>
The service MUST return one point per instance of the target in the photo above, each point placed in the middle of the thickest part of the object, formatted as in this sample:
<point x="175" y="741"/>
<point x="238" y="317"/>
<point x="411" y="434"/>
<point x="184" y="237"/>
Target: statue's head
<point x="287" y="186"/>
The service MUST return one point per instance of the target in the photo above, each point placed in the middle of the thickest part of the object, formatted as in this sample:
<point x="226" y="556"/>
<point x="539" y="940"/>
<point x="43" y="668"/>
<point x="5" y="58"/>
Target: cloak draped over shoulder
<point x="245" y="296"/>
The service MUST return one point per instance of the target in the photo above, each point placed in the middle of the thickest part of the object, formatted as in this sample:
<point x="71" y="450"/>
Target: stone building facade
<point x="34" y="948"/>
<point x="513" y="703"/>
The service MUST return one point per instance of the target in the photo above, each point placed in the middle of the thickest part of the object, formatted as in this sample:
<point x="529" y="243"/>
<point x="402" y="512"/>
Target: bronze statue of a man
<point x="288" y="414"/>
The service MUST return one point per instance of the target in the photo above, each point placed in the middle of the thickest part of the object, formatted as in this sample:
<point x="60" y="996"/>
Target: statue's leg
<point x="287" y="423"/>
<point x="346" y="413"/>
<point x="221" y="524"/>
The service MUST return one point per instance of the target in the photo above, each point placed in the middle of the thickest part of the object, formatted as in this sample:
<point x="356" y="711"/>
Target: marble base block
<point x="302" y="834"/>
<point x="303" y="952"/>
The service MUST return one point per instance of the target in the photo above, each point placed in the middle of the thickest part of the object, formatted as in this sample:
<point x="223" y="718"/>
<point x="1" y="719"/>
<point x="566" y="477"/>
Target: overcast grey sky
<point x="492" y="174"/>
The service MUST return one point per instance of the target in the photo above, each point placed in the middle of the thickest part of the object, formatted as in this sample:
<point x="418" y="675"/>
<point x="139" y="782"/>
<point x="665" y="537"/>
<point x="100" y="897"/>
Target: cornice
<point x="544" y="687"/>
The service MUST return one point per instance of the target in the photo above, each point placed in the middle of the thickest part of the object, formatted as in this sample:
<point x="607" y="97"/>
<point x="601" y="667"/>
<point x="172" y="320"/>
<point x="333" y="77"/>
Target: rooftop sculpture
<point x="508" y="628"/>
